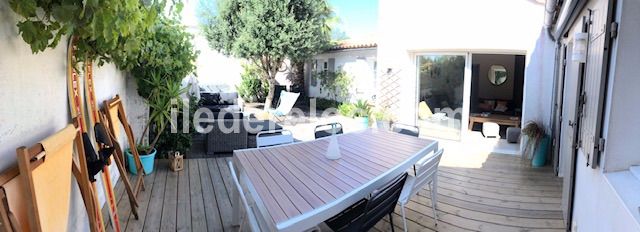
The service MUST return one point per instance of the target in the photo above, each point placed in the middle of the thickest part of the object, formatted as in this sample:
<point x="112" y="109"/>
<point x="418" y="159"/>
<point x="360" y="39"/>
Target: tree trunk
<point x="297" y="78"/>
<point x="271" y="94"/>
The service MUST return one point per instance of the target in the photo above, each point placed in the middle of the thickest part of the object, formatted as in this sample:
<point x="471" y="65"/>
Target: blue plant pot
<point x="540" y="156"/>
<point x="364" y="121"/>
<point x="146" y="160"/>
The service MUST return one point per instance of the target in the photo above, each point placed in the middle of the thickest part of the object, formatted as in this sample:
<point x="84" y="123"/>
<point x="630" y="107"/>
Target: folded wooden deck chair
<point x="36" y="194"/>
<point x="285" y="104"/>
<point x="13" y="208"/>
<point x="108" y="139"/>
<point x="116" y="117"/>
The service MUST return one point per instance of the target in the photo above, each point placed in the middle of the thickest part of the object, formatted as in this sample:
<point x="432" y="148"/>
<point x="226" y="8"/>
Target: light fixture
<point x="579" y="53"/>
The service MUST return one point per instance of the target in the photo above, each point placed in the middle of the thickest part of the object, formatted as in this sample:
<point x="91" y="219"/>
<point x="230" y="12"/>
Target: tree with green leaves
<point x="268" y="32"/>
<point x="167" y="51"/>
<point x="105" y="31"/>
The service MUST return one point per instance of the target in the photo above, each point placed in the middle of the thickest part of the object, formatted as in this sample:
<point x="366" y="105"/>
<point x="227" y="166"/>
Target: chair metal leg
<point x="434" y="196"/>
<point x="391" y="221"/>
<point x="404" y="218"/>
<point x="434" y="189"/>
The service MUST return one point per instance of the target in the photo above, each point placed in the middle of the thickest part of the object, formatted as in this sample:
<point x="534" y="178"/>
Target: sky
<point x="358" y="18"/>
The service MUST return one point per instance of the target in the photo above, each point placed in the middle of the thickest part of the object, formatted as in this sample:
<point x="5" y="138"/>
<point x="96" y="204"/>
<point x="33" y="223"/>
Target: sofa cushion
<point x="228" y="98"/>
<point x="209" y="98"/>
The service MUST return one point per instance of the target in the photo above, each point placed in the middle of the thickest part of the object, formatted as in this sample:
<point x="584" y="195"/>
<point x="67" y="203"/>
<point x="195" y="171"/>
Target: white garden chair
<point x="250" y="217"/>
<point x="285" y="105"/>
<point x="426" y="174"/>
<point x="273" y="138"/>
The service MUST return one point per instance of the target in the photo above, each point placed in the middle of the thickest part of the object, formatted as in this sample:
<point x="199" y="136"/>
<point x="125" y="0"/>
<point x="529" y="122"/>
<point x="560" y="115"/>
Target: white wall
<point x="599" y="204"/>
<point x="358" y="64"/>
<point x="538" y="83"/>
<point x="597" y="207"/>
<point x="33" y="93"/>
<point x="212" y="67"/>
<point x="492" y="26"/>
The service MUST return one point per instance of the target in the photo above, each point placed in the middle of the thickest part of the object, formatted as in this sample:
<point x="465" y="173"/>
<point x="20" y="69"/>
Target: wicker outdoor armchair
<point x="225" y="136"/>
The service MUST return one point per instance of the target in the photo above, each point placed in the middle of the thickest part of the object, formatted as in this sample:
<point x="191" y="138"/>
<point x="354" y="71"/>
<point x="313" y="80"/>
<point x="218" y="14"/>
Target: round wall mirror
<point x="497" y="74"/>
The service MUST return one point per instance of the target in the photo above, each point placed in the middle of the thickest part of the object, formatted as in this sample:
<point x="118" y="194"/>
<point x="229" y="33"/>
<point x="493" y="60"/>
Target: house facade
<point x="595" y="123"/>
<point x="576" y="60"/>
<point x="439" y="62"/>
<point x="357" y="59"/>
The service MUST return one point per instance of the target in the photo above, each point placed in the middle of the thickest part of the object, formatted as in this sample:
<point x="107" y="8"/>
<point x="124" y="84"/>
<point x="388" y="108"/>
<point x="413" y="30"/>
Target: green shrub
<point x="323" y="103"/>
<point x="178" y="141"/>
<point x="335" y="84"/>
<point x="346" y="109"/>
<point x="252" y="88"/>
<point x="167" y="52"/>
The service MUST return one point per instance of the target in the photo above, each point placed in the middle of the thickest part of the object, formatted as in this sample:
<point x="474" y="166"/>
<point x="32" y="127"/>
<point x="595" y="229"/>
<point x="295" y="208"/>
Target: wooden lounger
<point x="35" y="195"/>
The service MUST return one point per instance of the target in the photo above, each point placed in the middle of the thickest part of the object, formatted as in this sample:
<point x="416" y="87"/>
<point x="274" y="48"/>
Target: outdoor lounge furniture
<point x="36" y="194"/>
<point x="228" y="133"/>
<point x="286" y="102"/>
<point x="426" y="175"/>
<point x="306" y="196"/>
<point x="273" y="138"/>
<point x="327" y="130"/>
<point x="220" y="98"/>
<point x="406" y="129"/>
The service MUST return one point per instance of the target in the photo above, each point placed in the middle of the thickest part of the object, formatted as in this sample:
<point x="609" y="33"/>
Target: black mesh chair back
<point x="327" y="129"/>
<point x="406" y="129"/>
<point x="349" y="219"/>
<point x="382" y="203"/>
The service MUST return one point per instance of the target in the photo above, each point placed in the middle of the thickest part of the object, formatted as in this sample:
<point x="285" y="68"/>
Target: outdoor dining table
<point x="295" y="187"/>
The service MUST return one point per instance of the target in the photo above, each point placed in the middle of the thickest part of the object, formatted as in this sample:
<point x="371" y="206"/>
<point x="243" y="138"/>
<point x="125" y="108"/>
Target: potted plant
<point x="167" y="57"/>
<point x="163" y="96"/>
<point x="346" y="109"/>
<point x="383" y="119"/>
<point x="362" y="111"/>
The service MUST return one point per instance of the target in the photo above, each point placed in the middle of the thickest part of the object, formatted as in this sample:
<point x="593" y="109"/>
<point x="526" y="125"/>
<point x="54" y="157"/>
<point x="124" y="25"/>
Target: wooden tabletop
<point x="297" y="186"/>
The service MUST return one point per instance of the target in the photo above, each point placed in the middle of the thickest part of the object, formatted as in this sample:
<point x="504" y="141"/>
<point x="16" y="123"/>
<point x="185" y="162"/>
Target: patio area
<point x="495" y="192"/>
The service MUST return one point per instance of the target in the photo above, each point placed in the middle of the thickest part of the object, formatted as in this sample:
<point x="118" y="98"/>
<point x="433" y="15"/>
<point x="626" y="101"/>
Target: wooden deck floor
<point x="503" y="195"/>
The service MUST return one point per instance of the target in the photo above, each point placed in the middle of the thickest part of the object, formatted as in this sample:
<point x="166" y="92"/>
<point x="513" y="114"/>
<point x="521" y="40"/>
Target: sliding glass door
<point x="441" y="94"/>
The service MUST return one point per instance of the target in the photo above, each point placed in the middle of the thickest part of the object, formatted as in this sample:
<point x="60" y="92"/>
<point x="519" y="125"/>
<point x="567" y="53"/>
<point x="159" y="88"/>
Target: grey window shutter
<point x="594" y="85"/>
<point x="332" y="65"/>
